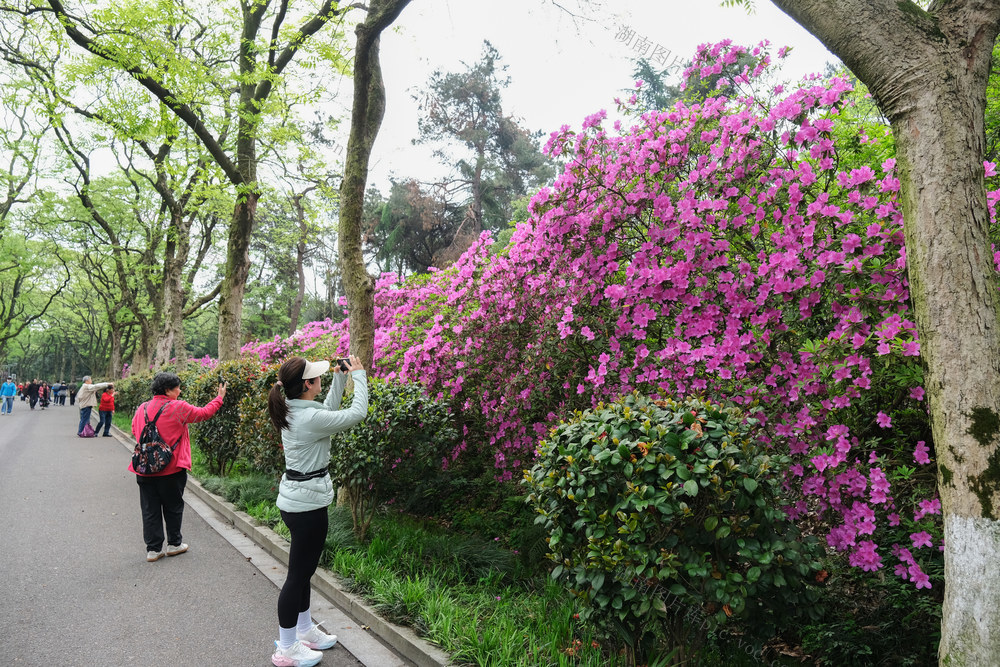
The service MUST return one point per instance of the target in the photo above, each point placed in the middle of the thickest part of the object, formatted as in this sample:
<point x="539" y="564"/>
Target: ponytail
<point x="289" y="385"/>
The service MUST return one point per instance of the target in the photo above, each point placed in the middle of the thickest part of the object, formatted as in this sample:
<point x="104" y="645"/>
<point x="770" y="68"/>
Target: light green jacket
<point x="307" y="441"/>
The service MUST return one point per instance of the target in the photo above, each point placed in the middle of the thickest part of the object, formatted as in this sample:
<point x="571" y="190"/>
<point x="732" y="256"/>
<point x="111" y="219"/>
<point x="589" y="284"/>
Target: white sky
<point x="562" y="69"/>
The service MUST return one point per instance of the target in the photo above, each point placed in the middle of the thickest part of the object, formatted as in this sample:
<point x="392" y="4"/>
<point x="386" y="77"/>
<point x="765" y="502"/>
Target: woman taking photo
<point x="306" y="490"/>
<point x="161" y="494"/>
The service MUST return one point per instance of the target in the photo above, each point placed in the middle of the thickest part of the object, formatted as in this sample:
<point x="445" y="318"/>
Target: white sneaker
<point x="316" y="639"/>
<point x="174" y="550"/>
<point x="296" y="655"/>
<point x="153" y="556"/>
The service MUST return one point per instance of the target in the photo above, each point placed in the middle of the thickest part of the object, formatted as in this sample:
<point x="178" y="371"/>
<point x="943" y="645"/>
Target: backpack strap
<point x="145" y="413"/>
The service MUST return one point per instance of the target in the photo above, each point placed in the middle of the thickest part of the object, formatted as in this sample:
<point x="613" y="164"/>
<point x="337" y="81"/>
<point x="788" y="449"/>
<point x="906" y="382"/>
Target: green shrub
<point x="261" y="443"/>
<point x="218" y="437"/>
<point x="664" y="514"/>
<point x="131" y="392"/>
<point x="405" y="431"/>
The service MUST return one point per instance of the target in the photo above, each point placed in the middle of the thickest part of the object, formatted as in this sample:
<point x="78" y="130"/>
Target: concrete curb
<point x="402" y="639"/>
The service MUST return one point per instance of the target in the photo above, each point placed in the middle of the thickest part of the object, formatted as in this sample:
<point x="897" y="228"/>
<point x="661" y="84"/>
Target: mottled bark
<point x="928" y="72"/>
<point x="366" y="120"/>
<point x="300" y="260"/>
<point x="235" y="281"/>
<point x="115" y="362"/>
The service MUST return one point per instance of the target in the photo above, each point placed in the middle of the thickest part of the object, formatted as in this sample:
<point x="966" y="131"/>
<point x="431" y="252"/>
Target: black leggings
<point x="308" y="531"/>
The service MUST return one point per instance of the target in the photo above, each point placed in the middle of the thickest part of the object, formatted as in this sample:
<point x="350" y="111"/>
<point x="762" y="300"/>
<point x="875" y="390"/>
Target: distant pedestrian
<point x="59" y="393"/>
<point x="72" y="392"/>
<point x="88" y="400"/>
<point x="7" y="392"/>
<point x="105" y="410"/>
<point x="161" y="495"/>
<point x="32" y="391"/>
<point x="306" y="491"/>
<point x="43" y="394"/>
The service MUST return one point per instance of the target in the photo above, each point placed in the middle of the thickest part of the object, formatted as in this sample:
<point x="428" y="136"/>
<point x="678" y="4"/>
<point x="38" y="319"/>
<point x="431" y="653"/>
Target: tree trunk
<point x="956" y="309"/>
<point x="935" y="99"/>
<point x="367" y="111"/>
<point x="366" y="120"/>
<point x="300" y="259"/>
<point x="237" y="271"/>
<point x="115" y="363"/>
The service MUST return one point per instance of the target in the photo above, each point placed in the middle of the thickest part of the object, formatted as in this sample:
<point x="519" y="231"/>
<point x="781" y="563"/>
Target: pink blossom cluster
<point x="207" y="362"/>
<point x="300" y="342"/>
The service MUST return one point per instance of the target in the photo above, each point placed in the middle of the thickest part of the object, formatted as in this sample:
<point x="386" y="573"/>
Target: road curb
<point x="402" y="639"/>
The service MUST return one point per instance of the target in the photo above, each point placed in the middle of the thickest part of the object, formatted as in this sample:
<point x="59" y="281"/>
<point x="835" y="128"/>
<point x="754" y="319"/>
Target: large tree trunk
<point x="115" y="363"/>
<point x="928" y="72"/>
<point x="300" y="260"/>
<point x="366" y="120"/>
<point x="237" y="271"/>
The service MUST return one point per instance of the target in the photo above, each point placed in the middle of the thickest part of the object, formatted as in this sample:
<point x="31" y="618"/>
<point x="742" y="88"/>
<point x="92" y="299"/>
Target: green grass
<point x="122" y="420"/>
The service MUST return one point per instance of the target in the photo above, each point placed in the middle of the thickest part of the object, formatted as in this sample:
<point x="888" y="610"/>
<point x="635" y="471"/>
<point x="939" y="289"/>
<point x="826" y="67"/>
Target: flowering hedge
<point x="748" y="247"/>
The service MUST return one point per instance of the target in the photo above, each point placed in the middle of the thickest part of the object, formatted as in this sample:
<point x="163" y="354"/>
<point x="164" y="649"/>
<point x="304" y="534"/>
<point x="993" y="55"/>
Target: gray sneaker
<point x="153" y="556"/>
<point x="173" y="550"/>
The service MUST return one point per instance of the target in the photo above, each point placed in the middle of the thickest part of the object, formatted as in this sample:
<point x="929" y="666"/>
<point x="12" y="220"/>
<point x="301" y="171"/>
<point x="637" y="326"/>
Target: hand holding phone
<point x="343" y="364"/>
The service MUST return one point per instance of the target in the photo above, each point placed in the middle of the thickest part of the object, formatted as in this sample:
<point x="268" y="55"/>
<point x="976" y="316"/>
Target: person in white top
<point x="88" y="399"/>
<point x="306" y="490"/>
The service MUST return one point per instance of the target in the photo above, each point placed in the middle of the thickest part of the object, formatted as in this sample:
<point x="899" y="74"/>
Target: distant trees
<point x="220" y="73"/>
<point x="493" y="160"/>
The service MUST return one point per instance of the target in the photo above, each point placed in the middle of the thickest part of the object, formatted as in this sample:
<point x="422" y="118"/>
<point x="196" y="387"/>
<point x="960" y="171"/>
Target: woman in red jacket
<point x="105" y="410"/>
<point x="161" y="495"/>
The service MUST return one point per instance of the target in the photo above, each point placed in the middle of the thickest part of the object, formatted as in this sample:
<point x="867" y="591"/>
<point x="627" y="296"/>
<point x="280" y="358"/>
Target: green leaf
<point x="691" y="487"/>
<point x="749" y="484"/>
<point x="711" y="522"/>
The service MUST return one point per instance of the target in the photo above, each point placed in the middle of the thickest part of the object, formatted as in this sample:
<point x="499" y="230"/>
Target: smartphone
<point x="343" y="364"/>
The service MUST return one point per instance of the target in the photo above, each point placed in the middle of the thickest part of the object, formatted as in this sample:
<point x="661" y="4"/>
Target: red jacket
<point x="108" y="402"/>
<point x="172" y="425"/>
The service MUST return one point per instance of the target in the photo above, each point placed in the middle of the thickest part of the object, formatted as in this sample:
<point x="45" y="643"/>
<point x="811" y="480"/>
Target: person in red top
<point x="105" y="410"/>
<point x="161" y="495"/>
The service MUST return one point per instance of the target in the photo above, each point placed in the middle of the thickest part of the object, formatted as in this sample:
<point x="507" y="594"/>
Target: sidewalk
<point x="77" y="589"/>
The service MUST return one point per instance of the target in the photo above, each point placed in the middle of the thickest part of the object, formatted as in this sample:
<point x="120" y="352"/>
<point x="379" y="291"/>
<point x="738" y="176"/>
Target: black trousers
<point x="161" y="500"/>
<point x="308" y="531"/>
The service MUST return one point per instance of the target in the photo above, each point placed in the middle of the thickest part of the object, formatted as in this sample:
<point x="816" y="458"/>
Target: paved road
<point x="75" y="587"/>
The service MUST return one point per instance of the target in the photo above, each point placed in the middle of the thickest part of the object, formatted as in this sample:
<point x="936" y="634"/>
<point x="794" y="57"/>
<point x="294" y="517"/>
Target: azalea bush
<point x="260" y="441"/>
<point x="657" y="508"/>
<point x="731" y="245"/>
<point x="747" y="244"/>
